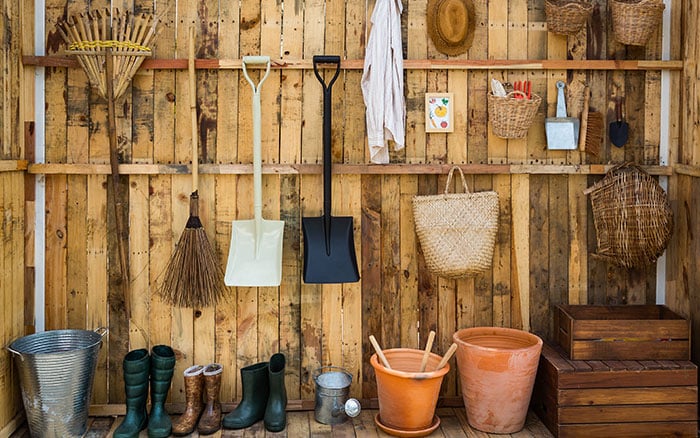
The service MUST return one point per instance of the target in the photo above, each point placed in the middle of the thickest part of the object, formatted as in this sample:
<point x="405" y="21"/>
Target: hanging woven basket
<point x="632" y="217"/>
<point x="635" y="21"/>
<point x="567" y="17"/>
<point x="511" y="117"/>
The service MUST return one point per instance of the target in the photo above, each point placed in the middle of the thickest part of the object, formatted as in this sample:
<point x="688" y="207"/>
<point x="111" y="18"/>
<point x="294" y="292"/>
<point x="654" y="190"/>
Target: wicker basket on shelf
<point x="567" y="17"/>
<point x="511" y="116"/>
<point x="632" y="216"/>
<point x="634" y="21"/>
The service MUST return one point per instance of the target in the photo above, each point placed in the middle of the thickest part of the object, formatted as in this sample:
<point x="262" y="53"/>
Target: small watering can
<point x="562" y="131"/>
<point x="332" y="389"/>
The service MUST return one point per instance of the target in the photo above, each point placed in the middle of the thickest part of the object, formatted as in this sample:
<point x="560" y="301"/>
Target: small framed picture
<point x="439" y="112"/>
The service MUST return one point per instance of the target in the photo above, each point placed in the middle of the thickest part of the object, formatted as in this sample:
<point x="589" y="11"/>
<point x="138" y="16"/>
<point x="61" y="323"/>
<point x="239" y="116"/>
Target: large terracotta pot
<point x="407" y="397"/>
<point x="497" y="369"/>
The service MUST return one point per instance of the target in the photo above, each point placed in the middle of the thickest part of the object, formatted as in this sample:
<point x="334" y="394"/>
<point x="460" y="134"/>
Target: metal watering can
<point x="332" y="389"/>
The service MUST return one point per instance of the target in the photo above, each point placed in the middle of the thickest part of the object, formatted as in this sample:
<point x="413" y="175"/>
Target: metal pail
<point x="332" y="389"/>
<point x="56" y="370"/>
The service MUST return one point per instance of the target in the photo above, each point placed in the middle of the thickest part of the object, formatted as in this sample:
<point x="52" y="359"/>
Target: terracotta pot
<point x="497" y="369"/>
<point x="407" y="398"/>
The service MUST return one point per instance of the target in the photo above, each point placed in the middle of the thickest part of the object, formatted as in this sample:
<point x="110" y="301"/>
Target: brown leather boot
<point x="211" y="418"/>
<point x="194" y="383"/>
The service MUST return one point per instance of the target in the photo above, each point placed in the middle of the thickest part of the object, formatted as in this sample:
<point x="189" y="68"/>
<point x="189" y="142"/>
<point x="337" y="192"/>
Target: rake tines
<point x="91" y="36"/>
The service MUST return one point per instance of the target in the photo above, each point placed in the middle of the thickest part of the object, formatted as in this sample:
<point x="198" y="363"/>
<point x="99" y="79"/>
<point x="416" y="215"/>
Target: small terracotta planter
<point x="407" y="398"/>
<point x="497" y="369"/>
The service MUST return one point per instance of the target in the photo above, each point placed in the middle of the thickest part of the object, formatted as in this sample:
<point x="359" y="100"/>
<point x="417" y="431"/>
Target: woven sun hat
<point x="451" y="25"/>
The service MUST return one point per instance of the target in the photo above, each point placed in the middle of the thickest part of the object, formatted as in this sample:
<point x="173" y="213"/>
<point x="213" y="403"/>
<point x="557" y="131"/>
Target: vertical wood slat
<point x="227" y="151"/>
<point x="6" y="411"/>
<point x="310" y="202"/>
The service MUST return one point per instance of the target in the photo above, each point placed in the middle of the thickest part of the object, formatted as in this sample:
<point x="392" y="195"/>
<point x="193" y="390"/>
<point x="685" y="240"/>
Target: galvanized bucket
<point x="332" y="389"/>
<point x="56" y="370"/>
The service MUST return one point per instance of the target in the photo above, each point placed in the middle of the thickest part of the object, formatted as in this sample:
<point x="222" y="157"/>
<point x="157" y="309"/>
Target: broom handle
<point x="583" y="130"/>
<point x="193" y="110"/>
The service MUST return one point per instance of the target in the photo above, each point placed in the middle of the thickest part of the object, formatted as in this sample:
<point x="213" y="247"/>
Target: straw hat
<point x="451" y="25"/>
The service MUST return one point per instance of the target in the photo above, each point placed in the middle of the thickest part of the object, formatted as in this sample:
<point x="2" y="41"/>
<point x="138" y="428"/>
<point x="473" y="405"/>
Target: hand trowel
<point x="562" y="131"/>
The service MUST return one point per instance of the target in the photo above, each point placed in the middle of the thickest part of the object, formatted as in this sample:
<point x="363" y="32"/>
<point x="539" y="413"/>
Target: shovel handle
<point x="257" y="134"/>
<point x="327" y="118"/>
<point x="326" y="59"/>
<point x="618" y="109"/>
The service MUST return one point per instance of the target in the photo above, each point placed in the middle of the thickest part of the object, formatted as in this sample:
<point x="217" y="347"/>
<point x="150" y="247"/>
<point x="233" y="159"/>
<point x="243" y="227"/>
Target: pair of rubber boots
<point x="140" y="369"/>
<point x="204" y="416"/>
<point x="264" y="396"/>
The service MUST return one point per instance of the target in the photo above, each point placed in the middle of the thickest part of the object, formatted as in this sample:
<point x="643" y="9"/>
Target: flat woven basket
<point x="457" y="231"/>
<point x="635" y="21"/>
<point x="567" y="17"/>
<point x="511" y="117"/>
<point x="632" y="216"/>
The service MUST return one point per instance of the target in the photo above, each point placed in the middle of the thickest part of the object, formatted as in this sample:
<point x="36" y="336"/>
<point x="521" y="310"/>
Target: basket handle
<point x="449" y="179"/>
<point x="510" y="95"/>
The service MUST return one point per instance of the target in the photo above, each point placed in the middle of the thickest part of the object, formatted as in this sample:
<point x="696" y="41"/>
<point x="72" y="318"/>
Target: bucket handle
<point x="102" y="331"/>
<point x="13" y="351"/>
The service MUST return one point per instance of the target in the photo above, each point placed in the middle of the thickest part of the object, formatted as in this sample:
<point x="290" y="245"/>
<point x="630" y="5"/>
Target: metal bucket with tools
<point x="56" y="371"/>
<point x="332" y="390"/>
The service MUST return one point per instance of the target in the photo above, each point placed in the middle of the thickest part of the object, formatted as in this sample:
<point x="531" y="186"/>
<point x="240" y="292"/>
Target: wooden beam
<point x="409" y="64"/>
<point x="13" y="165"/>
<point x="685" y="169"/>
<point x="340" y="169"/>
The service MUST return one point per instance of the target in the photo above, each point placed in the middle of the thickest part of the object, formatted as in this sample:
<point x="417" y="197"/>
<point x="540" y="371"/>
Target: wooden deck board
<point x="302" y="423"/>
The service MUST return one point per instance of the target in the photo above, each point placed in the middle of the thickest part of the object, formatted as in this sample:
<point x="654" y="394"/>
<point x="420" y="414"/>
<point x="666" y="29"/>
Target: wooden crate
<point x="635" y="332"/>
<point x="615" y="398"/>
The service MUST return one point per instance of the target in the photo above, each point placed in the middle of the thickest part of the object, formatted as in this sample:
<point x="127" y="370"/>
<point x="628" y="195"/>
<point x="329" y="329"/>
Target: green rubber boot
<point x="136" y="368"/>
<point x="251" y="409"/>
<point x="162" y="367"/>
<point x="275" y="413"/>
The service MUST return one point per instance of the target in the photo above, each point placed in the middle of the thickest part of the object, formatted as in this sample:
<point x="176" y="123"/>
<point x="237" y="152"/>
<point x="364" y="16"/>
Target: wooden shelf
<point x="409" y="64"/>
<point x="339" y="169"/>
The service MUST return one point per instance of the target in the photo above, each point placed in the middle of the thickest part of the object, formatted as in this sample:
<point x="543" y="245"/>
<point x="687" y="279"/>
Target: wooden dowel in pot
<point x="379" y="351"/>
<point x="447" y="356"/>
<point x="428" y="347"/>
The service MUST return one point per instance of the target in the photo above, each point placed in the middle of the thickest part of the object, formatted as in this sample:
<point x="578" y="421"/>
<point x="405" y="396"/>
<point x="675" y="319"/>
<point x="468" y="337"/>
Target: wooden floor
<point x="453" y="423"/>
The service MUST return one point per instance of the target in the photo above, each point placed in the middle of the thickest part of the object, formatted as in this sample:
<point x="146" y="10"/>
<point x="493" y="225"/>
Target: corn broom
<point x="193" y="277"/>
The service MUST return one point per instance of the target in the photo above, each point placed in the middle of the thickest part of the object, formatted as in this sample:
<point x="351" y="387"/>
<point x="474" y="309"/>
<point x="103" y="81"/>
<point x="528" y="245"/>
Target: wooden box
<point x="615" y="398"/>
<point x="635" y="332"/>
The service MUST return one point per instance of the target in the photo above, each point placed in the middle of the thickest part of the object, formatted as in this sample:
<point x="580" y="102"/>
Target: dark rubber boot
<point x="136" y="368"/>
<point x="162" y="367"/>
<point x="256" y="388"/>
<point x="275" y="413"/>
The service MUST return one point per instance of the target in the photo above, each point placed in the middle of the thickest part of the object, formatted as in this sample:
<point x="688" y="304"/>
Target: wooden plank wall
<point x="545" y="235"/>
<point x="683" y="276"/>
<point x="12" y="211"/>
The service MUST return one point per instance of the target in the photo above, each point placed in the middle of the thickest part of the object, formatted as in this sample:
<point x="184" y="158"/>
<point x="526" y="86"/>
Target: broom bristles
<point x="193" y="277"/>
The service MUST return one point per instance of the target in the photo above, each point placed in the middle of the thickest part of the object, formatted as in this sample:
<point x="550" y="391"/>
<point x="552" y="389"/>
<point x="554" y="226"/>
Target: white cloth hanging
<point x="382" y="81"/>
